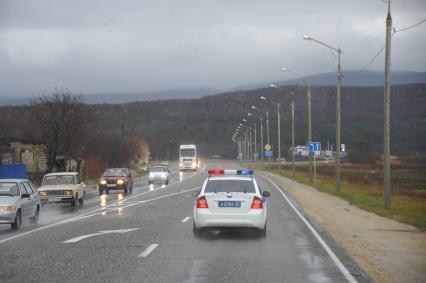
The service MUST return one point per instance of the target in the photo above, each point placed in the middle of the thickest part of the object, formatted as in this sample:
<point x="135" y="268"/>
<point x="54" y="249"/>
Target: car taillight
<point x="202" y="202"/>
<point x="257" y="203"/>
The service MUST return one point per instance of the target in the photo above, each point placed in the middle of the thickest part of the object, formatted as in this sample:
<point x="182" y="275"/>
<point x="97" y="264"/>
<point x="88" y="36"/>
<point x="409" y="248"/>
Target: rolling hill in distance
<point x="351" y="78"/>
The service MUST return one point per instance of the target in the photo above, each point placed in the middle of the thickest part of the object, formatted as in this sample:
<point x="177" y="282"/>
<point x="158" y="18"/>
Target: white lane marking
<point x="121" y="231"/>
<point x="148" y="250"/>
<point x="333" y="256"/>
<point x="186" y="219"/>
<point x="77" y="218"/>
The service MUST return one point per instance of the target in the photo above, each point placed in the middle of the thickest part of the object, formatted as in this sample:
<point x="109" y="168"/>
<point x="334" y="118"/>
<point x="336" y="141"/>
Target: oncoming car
<point x="158" y="174"/>
<point x="63" y="187"/>
<point x="115" y="179"/>
<point x="230" y="198"/>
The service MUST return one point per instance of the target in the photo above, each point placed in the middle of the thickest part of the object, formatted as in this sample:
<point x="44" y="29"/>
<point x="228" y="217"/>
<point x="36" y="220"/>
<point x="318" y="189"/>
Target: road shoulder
<point x="387" y="250"/>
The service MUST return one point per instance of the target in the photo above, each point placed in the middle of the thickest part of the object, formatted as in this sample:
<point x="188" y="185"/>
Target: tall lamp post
<point x="339" y="81"/>
<point x="267" y="121"/>
<point x="255" y="138"/>
<point x="291" y="94"/>
<point x="279" y="124"/>
<point x="250" y="142"/>
<point x="261" y="132"/>
<point x="308" y="83"/>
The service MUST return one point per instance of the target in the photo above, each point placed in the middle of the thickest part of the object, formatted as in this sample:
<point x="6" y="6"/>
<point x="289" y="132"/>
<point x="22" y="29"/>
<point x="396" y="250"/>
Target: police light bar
<point x="230" y="172"/>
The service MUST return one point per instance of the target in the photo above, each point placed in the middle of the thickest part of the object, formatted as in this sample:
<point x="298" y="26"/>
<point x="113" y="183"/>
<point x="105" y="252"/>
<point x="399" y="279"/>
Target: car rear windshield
<point x="9" y="189"/>
<point x="58" y="180"/>
<point x="114" y="173"/>
<point x="230" y="186"/>
<point x="158" y="169"/>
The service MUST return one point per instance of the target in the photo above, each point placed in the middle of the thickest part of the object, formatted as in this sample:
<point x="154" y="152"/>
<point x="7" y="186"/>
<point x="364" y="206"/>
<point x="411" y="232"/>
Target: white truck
<point x="188" y="159"/>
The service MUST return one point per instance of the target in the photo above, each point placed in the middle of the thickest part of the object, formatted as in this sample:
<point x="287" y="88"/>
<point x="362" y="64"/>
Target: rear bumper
<point x="255" y="218"/>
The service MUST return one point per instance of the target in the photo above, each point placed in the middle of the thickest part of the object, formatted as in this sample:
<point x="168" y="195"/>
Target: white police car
<point x="230" y="198"/>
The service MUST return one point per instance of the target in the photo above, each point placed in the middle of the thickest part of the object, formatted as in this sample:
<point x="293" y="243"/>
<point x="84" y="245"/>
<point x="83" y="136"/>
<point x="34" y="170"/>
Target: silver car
<point x="18" y="200"/>
<point x="158" y="174"/>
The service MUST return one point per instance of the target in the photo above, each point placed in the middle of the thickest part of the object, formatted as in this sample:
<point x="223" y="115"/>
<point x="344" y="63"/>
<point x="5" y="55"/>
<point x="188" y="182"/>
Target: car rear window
<point x="230" y="186"/>
<point x="158" y="169"/>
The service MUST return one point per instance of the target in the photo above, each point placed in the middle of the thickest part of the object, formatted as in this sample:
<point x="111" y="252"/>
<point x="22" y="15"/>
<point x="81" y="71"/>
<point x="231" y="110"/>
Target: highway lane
<point x="53" y="213"/>
<point x="160" y="246"/>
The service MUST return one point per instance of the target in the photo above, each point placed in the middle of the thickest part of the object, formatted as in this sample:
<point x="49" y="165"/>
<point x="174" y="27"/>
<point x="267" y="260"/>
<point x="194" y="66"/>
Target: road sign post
<point x="314" y="148"/>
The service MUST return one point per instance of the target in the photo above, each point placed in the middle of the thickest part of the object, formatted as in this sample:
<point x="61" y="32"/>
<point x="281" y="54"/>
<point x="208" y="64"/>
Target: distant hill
<point x="350" y="78"/>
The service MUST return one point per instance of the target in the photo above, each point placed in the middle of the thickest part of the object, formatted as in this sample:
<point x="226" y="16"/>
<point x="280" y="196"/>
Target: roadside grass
<point x="406" y="208"/>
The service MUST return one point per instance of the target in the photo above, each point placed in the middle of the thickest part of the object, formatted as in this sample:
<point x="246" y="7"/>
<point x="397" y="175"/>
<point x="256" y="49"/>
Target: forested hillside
<point x="210" y="121"/>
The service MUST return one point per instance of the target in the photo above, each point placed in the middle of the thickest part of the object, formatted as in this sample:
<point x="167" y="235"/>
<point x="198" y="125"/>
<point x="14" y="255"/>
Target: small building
<point x="34" y="156"/>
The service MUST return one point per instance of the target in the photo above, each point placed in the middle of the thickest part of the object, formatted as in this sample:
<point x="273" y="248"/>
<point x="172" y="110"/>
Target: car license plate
<point x="229" y="203"/>
<point x="54" y="199"/>
<point x="111" y="185"/>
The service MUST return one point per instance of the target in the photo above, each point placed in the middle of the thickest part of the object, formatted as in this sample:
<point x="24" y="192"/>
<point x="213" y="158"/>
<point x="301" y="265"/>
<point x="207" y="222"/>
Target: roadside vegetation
<point x="362" y="186"/>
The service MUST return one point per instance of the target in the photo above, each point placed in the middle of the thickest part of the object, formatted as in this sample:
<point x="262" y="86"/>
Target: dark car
<point x="116" y="179"/>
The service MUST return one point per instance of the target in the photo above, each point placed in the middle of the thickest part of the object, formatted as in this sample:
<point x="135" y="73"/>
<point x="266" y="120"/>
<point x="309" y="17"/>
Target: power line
<point x="383" y="47"/>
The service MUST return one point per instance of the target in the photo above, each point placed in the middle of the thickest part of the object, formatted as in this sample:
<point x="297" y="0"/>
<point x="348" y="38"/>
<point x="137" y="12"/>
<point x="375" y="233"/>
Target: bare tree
<point x="62" y="121"/>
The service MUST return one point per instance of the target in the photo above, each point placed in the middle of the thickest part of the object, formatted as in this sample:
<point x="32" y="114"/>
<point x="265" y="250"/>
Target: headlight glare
<point x="68" y="192"/>
<point x="42" y="193"/>
<point x="103" y="182"/>
<point x="7" y="208"/>
<point x="120" y="182"/>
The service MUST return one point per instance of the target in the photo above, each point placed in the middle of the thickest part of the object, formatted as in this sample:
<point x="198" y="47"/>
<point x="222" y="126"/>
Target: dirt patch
<point x="387" y="250"/>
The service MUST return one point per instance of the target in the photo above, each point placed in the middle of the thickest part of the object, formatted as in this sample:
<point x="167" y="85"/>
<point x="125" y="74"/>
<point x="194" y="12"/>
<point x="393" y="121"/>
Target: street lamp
<point x="291" y="94"/>
<point x="250" y="143"/>
<point x="255" y="138"/>
<point x="279" y="124"/>
<point x="308" y="83"/>
<point x="267" y="121"/>
<point x="339" y="81"/>
<point x="261" y="131"/>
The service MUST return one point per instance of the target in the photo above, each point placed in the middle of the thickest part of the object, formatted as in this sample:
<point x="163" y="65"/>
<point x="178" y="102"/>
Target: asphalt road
<point x="147" y="237"/>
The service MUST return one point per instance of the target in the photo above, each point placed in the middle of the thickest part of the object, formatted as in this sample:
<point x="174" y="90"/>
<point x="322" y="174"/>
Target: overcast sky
<point x="109" y="46"/>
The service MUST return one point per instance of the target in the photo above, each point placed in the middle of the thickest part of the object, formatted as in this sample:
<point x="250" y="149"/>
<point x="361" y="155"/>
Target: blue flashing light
<point x="245" y="172"/>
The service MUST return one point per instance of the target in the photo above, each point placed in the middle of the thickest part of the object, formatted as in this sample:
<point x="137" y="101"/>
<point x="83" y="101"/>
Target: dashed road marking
<point x="148" y="250"/>
<point x="186" y="219"/>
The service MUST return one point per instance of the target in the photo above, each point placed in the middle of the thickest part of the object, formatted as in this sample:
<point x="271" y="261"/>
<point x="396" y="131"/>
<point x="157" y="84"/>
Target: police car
<point x="230" y="198"/>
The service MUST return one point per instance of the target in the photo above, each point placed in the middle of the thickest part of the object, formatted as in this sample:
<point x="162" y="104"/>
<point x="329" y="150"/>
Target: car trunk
<point x="229" y="202"/>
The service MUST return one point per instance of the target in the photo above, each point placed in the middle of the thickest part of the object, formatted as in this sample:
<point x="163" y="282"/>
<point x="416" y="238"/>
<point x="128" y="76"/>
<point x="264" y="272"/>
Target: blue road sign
<point x="255" y="154"/>
<point x="314" y="146"/>
<point x="268" y="153"/>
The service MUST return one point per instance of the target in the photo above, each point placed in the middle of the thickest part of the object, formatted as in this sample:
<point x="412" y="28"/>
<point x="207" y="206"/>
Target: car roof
<point x="221" y="178"/>
<point x="13" y="180"/>
<point x="62" y="173"/>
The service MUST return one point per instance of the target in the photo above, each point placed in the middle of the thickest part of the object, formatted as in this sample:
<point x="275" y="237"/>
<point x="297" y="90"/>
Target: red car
<point x="116" y="179"/>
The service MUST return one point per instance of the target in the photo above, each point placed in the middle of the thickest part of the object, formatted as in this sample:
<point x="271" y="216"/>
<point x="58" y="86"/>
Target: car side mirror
<point x="266" y="194"/>
<point x="25" y="196"/>
<point x="195" y="194"/>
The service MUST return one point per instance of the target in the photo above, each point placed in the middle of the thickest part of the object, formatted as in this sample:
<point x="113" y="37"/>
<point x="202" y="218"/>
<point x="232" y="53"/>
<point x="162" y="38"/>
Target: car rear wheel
<point x="18" y="221"/>
<point x="34" y="219"/>
<point x="196" y="230"/>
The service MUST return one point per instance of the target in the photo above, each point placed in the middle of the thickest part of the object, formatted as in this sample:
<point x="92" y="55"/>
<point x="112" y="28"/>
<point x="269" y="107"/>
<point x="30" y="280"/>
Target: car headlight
<point x="7" y="208"/>
<point x="120" y="182"/>
<point x="181" y="164"/>
<point x="163" y="176"/>
<point x="194" y="164"/>
<point x="103" y="182"/>
<point x="151" y="175"/>
<point x="68" y="192"/>
<point x="42" y="193"/>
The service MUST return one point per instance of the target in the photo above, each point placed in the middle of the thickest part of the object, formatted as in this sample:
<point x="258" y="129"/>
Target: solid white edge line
<point x="185" y="219"/>
<point x="148" y="250"/>
<point x="332" y="255"/>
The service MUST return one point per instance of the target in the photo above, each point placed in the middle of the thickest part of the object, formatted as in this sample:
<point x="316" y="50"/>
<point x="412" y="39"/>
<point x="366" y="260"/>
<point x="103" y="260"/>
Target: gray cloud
<point x="107" y="46"/>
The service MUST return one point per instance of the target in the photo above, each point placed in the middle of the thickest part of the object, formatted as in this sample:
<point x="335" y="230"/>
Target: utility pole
<point x="255" y="140"/>
<point x="267" y="129"/>
<point x="292" y="130"/>
<point x="386" y="139"/>
<point x="279" y="135"/>
<point x="310" y="130"/>
<point x="261" y="137"/>
<point x="339" y="82"/>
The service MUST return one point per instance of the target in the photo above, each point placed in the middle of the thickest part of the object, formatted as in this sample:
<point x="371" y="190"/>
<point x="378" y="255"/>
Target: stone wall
<point x="34" y="156"/>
